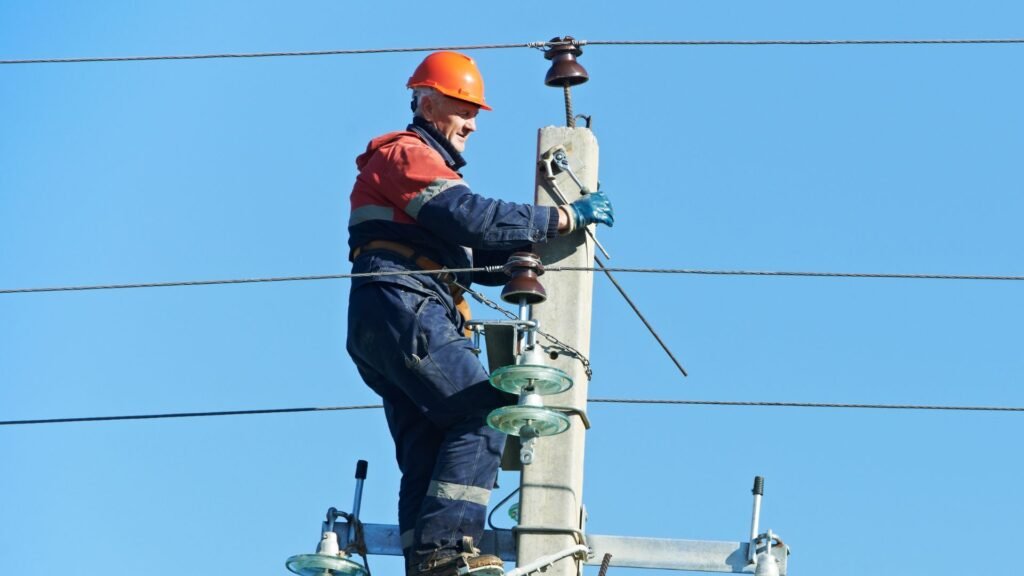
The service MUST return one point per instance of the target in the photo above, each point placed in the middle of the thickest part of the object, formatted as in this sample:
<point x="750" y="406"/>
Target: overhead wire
<point x="492" y="269"/>
<point x="537" y="45"/>
<point x="804" y="274"/>
<point x="187" y="415"/>
<point x="270" y="54"/>
<point x="762" y="404"/>
<point x="841" y="42"/>
<point x="246" y="280"/>
<point x="633" y="401"/>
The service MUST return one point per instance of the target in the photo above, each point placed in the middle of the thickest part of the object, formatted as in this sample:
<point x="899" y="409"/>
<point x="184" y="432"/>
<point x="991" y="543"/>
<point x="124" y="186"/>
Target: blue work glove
<point x="592" y="209"/>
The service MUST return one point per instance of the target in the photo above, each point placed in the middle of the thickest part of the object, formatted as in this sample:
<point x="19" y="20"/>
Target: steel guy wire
<point x="560" y="196"/>
<point x="727" y="403"/>
<point x="491" y="269"/>
<point x="639" y="314"/>
<point x="537" y="45"/>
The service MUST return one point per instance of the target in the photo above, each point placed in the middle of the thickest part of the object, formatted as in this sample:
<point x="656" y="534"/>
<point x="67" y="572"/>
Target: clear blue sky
<point x="872" y="158"/>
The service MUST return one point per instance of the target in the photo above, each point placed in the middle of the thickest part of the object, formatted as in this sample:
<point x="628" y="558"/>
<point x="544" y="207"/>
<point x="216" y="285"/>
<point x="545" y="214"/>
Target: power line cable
<point x="271" y="54"/>
<point x="809" y="405"/>
<point x="248" y="280"/>
<point x="854" y="42"/>
<point x="697" y="271"/>
<point x="538" y="45"/>
<point x="491" y="269"/>
<point x="188" y="415"/>
<point x="634" y="401"/>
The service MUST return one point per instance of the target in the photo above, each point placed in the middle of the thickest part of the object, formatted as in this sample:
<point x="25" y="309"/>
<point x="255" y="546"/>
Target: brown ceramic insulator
<point x="565" y="70"/>
<point x="524" y="268"/>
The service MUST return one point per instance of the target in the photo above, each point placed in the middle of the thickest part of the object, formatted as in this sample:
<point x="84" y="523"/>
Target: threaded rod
<point x="570" y="118"/>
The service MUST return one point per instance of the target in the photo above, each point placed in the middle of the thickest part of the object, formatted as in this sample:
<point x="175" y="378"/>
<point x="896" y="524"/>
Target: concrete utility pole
<point x="551" y="501"/>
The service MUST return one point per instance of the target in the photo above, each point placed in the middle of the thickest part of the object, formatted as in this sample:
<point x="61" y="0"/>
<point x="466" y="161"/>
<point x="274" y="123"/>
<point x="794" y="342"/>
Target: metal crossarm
<point x="626" y="551"/>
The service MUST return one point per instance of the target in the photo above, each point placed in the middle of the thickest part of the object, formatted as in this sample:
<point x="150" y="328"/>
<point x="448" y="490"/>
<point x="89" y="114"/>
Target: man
<point x="412" y="211"/>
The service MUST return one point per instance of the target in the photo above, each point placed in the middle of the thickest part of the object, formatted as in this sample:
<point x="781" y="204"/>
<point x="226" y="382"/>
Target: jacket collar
<point x="438" y="142"/>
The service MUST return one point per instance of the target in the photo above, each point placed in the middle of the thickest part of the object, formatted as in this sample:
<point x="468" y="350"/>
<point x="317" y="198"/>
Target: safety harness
<point x="423" y="263"/>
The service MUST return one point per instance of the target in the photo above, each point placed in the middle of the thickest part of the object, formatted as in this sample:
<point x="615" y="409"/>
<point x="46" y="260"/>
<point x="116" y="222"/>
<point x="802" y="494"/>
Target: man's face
<point x="455" y="119"/>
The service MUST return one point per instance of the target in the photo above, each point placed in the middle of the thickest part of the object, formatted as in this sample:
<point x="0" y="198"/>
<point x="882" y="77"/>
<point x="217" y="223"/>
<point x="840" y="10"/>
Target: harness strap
<point x="423" y="263"/>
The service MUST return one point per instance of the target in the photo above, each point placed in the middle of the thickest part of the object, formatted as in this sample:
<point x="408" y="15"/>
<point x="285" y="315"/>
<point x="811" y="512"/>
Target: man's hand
<point x="592" y="209"/>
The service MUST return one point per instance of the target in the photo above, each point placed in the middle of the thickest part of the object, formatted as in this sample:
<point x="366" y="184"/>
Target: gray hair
<point x="419" y="94"/>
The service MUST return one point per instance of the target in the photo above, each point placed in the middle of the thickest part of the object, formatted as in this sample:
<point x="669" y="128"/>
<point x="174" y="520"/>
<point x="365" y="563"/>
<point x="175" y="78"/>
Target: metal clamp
<point x="558" y="158"/>
<point x="479" y="327"/>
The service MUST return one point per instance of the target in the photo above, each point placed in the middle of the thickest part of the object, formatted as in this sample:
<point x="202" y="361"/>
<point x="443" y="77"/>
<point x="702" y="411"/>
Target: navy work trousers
<point x="406" y="341"/>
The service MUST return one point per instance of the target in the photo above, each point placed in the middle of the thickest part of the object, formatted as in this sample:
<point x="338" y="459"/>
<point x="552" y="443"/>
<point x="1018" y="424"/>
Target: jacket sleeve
<point x="439" y="200"/>
<point x="468" y="219"/>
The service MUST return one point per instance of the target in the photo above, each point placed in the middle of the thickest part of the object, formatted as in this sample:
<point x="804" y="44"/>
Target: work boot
<point x="464" y="565"/>
<point x="470" y="561"/>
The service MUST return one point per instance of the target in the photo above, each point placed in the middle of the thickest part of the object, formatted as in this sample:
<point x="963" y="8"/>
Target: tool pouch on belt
<point x="424" y="263"/>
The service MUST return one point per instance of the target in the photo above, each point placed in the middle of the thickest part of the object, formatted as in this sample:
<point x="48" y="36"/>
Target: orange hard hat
<point x="451" y="74"/>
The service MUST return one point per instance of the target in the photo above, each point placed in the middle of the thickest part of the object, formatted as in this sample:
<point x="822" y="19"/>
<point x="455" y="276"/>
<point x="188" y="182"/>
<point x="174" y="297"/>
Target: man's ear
<point x="427" y="108"/>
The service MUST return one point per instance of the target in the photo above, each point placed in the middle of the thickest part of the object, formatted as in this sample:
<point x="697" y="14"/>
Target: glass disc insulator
<point x="511" y="419"/>
<point x="545" y="379"/>
<point x="323" y="565"/>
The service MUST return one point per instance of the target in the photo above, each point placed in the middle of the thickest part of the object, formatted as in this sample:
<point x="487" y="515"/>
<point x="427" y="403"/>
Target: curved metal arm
<point x="544" y="561"/>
